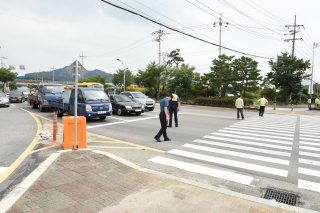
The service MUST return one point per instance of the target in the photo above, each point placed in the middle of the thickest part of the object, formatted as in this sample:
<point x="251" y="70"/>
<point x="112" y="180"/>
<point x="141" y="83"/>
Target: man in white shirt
<point x="262" y="102"/>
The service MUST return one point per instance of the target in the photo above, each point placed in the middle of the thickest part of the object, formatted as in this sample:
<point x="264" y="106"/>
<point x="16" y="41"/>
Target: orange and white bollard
<point x="55" y="126"/>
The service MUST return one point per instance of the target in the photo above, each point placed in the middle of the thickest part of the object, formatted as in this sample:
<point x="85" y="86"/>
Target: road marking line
<point x="310" y="154"/>
<point x="315" y="133"/>
<point x="251" y="138"/>
<point x="117" y="118"/>
<point x="309" y="148"/>
<point x="225" y="175"/>
<point x="311" y="162"/>
<point x="264" y="127"/>
<point x="238" y="154"/>
<point x="310" y="128"/>
<point x="260" y="129"/>
<point x="115" y="147"/>
<point x="312" y="186"/>
<point x="2" y="169"/>
<point x="268" y="124"/>
<point x="257" y="130"/>
<point x="307" y="136"/>
<point x="258" y="135"/>
<point x="309" y="139"/>
<point x="310" y="172"/>
<point x="207" y="115"/>
<point x="309" y="143"/>
<point x="121" y="122"/>
<point x="24" y="110"/>
<point x="232" y="163"/>
<point x="246" y="142"/>
<point x="44" y="148"/>
<point x="247" y="148"/>
<point x="26" y="152"/>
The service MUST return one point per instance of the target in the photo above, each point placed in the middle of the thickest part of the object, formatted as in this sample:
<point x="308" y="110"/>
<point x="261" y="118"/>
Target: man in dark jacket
<point x="174" y="108"/>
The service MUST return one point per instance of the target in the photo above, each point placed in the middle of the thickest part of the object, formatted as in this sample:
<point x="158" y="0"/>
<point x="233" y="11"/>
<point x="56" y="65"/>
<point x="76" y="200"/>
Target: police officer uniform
<point x="174" y="108"/>
<point x="164" y="116"/>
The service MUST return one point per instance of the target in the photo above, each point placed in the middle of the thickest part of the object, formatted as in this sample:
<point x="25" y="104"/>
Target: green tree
<point x="151" y="78"/>
<point x="182" y="77"/>
<point x="6" y="75"/>
<point x="288" y="74"/>
<point x="246" y="74"/>
<point x="98" y="79"/>
<point x="221" y="75"/>
<point x="118" y="78"/>
<point x="174" y="58"/>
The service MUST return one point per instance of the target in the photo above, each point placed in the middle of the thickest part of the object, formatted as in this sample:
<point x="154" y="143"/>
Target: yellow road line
<point x="115" y="147"/>
<point x="118" y="141"/>
<point x="44" y="148"/>
<point x="26" y="152"/>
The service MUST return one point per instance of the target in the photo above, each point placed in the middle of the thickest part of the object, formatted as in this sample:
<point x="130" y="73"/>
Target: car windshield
<point x="15" y="93"/>
<point x="2" y="95"/>
<point x="139" y="95"/>
<point x="24" y="89"/>
<point x="122" y="98"/>
<point x="54" y="89"/>
<point x="93" y="95"/>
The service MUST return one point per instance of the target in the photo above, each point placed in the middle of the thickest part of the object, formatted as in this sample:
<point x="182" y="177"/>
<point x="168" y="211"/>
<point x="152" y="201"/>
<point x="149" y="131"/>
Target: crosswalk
<point x="309" y="153"/>
<point x="260" y="146"/>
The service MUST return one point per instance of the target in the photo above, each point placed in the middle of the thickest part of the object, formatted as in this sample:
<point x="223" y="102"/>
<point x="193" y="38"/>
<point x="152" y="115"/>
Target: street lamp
<point x="1" y="61"/>
<point x="124" y="75"/>
<point x="315" y="45"/>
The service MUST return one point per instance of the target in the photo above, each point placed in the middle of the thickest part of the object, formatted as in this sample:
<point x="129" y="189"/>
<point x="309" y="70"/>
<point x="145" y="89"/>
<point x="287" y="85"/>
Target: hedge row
<point x="221" y="102"/>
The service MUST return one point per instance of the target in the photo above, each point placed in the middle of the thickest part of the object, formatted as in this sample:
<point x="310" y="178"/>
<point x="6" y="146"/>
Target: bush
<point x="221" y="102"/>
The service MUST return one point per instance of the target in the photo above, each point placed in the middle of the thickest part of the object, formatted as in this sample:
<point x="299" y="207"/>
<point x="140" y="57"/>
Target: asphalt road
<point x="210" y="145"/>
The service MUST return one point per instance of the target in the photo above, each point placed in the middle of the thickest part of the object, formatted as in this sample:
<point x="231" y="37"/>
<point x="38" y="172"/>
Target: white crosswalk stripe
<point x="309" y="153"/>
<point x="257" y="145"/>
<point x="2" y="169"/>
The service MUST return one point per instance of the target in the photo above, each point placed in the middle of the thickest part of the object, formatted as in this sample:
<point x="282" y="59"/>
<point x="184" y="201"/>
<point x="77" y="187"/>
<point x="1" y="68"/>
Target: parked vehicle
<point x="91" y="84"/>
<point x="44" y="93"/>
<point x="141" y="98"/>
<point x="4" y="100"/>
<point x="16" y="96"/>
<point x="92" y="103"/>
<point x="121" y="104"/>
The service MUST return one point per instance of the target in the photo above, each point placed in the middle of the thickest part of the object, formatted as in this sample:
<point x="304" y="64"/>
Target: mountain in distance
<point x="61" y="75"/>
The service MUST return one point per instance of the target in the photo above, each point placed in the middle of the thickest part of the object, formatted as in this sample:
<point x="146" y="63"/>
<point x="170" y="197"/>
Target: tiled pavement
<point x="85" y="181"/>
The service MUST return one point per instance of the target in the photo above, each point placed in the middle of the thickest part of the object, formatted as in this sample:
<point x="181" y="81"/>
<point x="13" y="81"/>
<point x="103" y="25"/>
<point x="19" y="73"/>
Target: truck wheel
<point x="102" y="118"/>
<point x="34" y="105"/>
<point x="138" y="113"/>
<point x="119" y="111"/>
<point x="41" y="108"/>
<point x="59" y="112"/>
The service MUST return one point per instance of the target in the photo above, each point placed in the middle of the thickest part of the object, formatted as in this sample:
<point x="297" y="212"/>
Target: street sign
<point x="71" y="69"/>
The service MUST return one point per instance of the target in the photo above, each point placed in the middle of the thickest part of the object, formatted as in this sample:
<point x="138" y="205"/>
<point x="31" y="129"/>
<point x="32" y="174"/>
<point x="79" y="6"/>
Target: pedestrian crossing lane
<point x="309" y="153"/>
<point x="258" y="145"/>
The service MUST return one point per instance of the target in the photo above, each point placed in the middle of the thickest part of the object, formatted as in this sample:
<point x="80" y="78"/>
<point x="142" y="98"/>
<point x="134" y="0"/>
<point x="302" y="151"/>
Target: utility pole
<point x="315" y="45"/>
<point x="82" y="56"/>
<point x="220" y="23"/>
<point x="52" y="74"/>
<point x="293" y="32"/>
<point x="157" y="37"/>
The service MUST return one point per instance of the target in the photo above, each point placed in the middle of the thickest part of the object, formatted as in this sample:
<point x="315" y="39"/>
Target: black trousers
<point x="173" y="111"/>
<point x="261" y="110"/>
<point x="163" y="122"/>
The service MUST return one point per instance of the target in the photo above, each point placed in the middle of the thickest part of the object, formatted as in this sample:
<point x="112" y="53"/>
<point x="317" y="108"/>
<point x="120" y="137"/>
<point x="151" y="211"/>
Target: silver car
<point x="4" y="100"/>
<point x="141" y="98"/>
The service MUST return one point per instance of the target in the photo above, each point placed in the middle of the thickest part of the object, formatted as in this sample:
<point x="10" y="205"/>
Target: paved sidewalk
<point x="90" y="181"/>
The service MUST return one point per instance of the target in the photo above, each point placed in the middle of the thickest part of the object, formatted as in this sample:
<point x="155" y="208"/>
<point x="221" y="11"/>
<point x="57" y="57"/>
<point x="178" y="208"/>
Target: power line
<point x="130" y="11"/>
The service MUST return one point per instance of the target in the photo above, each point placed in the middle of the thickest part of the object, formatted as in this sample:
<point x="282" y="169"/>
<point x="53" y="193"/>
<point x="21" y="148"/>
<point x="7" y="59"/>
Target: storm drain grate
<point x="281" y="197"/>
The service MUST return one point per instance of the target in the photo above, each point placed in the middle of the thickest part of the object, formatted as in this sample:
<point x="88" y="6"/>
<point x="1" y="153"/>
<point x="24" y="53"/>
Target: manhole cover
<point x="281" y="197"/>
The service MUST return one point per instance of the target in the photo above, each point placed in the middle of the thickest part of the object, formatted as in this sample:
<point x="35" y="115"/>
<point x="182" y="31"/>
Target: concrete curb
<point x="13" y="196"/>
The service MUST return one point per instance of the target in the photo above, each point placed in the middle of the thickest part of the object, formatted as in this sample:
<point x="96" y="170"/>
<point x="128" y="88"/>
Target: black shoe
<point x="167" y="139"/>
<point x="169" y="126"/>
<point x="157" y="139"/>
<point x="176" y="125"/>
<point x="242" y="118"/>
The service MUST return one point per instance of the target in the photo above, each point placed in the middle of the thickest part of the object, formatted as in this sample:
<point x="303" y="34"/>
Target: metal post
<point x="220" y="24"/>
<point x="294" y="35"/>
<point x="75" y="108"/>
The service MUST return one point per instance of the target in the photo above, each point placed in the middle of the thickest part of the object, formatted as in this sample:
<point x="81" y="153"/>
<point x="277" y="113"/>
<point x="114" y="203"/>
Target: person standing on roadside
<point x="164" y="118"/>
<point x="316" y="102"/>
<point x="240" y="106"/>
<point x="174" y="108"/>
<point x="262" y="102"/>
<point x="309" y="103"/>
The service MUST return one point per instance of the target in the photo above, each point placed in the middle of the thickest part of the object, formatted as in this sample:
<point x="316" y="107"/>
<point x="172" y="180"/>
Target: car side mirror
<point x="130" y="96"/>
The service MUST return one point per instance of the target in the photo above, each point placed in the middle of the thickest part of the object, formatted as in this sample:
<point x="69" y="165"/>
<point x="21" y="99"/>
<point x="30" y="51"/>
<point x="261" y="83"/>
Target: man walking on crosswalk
<point x="240" y="106"/>
<point x="262" y="102"/>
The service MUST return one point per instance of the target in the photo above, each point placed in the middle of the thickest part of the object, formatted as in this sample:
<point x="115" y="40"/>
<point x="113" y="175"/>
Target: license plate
<point x="13" y="99"/>
<point x="102" y="112"/>
<point x="138" y="110"/>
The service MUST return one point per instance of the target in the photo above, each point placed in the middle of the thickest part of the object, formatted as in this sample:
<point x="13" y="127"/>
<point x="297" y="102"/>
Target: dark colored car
<point x="16" y="96"/>
<point x="121" y="104"/>
<point x="4" y="100"/>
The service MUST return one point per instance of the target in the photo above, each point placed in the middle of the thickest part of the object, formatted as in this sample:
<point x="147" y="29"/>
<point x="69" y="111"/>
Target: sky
<point x="51" y="34"/>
